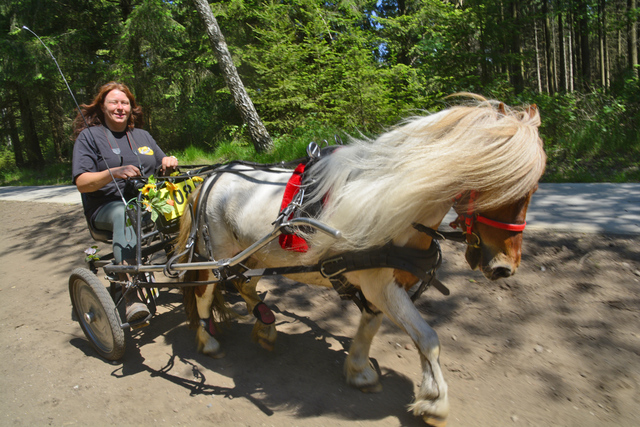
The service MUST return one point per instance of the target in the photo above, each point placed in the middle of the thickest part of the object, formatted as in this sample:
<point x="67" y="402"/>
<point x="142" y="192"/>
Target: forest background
<point x="317" y="68"/>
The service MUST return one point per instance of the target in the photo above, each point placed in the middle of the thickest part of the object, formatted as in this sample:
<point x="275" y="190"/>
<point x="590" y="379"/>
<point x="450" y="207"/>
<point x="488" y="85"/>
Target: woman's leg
<point x="111" y="217"/>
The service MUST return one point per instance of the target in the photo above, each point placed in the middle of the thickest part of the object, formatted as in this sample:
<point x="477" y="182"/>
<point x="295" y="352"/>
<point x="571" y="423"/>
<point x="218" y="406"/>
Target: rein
<point x="212" y="173"/>
<point x="421" y="263"/>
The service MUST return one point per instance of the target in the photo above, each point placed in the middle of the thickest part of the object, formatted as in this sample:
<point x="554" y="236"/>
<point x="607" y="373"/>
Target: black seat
<point x="105" y="236"/>
<point x="97" y="235"/>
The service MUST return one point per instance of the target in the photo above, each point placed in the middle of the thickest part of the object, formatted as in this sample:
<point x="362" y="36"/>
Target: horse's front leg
<point x="432" y="401"/>
<point x="357" y="367"/>
<point x="264" y="330"/>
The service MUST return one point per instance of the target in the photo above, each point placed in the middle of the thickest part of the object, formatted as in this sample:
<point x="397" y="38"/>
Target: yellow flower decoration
<point x="155" y="201"/>
<point x="148" y="187"/>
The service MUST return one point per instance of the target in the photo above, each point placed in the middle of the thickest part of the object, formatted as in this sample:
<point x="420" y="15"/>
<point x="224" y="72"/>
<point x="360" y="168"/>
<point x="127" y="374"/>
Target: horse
<point x="480" y="157"/>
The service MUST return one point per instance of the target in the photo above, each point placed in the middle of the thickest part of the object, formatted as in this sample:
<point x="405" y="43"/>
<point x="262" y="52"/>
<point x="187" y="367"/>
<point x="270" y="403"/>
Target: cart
<point x="96" y="307"/>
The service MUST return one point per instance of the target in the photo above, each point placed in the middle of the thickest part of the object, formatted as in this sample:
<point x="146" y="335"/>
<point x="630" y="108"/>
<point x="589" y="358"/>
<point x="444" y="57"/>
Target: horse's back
<point x="242" y="206"/>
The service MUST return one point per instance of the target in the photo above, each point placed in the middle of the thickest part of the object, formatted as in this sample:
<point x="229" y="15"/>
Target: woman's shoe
<point x="136" y="311"/>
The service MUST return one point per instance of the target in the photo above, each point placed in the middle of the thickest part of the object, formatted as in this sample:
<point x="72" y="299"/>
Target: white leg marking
<point x="206" y="343"/>
<point x="432" y="400"/>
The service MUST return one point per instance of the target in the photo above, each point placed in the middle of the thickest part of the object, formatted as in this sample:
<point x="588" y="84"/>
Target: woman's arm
<point x="93" y="181"/>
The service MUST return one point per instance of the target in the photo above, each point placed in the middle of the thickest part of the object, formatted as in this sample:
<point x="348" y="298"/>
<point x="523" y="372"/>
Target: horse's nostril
<point x="501" y="272"/>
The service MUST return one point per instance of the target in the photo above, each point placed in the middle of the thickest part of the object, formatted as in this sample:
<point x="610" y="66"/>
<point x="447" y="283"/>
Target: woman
<point x="108" y="150"/>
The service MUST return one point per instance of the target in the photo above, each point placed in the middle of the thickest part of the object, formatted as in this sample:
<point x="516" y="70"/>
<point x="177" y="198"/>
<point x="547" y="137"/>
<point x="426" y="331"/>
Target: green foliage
<point x="52" y="174"/>
<point x="312" y="68"/>
<point x="590" y="138"/>
<point x="286" y="147"/>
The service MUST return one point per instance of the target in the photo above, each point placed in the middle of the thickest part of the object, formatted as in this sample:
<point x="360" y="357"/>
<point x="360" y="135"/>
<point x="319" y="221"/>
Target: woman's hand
<point x="94" y="181"/>
<point x="127" y="171"/>
<point x="168" y="163"/>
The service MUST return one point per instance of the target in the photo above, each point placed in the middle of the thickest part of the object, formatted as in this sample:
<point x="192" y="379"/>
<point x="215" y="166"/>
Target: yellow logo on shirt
<point x="145" y="150"/>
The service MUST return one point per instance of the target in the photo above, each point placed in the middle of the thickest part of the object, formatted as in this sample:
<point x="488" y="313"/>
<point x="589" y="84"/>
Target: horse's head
<point x="494" y="236"/>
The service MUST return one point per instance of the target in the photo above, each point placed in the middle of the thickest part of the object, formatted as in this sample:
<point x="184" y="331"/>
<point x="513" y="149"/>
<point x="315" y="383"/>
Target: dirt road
<point x="558" y="344"/>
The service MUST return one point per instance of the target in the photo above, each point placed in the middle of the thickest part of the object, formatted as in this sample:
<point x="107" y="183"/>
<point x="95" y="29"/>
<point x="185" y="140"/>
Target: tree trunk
<point x="535" y="33"/>
<point x="34" y="153"/>
<point x="572" y="62"/>
<point x="258" y="133"/>
<point x="632" y="40"/>
<point x="619" y="34"/>
<point x="15" y="137"/>
<point x="516" y="50"/>
<point x="548" y="49"/>
<point x="563" y="68"/>
<point x="602" y="38"/>
<point x="585" y="54"/>
<point x="57" y="127"/>
<point x="485" y="73"/>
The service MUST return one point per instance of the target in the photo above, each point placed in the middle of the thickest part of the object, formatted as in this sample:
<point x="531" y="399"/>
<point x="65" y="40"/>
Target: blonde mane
<point x="375" y="189"/>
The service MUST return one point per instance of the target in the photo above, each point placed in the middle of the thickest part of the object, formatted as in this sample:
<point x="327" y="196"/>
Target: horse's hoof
<point x="208" y="346"/>
<point x="267" y="345"/>
<point x="212" y="351"/>
<point x="215" y="354"/>
<point x="434" y="421"/>
<point x="264" y="335"/>
<point x="373" y="388"/>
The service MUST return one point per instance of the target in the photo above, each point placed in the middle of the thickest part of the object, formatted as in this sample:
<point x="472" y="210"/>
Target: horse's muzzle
<point x="501" y="273"/>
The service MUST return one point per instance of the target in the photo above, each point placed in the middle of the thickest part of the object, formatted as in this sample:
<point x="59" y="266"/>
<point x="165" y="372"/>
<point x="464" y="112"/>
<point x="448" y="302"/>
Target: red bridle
<point x="466" y="220"/>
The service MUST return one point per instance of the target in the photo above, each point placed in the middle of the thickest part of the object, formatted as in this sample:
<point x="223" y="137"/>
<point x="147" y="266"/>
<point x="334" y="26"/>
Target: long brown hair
<point x="93" y="112"/>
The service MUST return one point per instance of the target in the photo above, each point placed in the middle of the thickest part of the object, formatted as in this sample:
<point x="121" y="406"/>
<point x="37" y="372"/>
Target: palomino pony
<point x="482" y="158"/>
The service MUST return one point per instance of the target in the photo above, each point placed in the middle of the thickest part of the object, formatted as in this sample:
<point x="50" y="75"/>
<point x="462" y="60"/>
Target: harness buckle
<point x="190" y="243"/>
<point x="475" y="245"/>
<point x="327" y="265"/>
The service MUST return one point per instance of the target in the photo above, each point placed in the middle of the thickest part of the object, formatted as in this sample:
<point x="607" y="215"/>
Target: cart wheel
<point x="96" y="313"/>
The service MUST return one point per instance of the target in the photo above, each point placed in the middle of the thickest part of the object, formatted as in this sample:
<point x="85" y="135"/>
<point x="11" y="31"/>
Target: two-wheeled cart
<point x="96" y="306"/>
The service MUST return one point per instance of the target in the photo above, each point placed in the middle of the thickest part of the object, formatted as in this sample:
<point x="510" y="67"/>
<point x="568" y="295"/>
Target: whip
<point x="24" y="27"/>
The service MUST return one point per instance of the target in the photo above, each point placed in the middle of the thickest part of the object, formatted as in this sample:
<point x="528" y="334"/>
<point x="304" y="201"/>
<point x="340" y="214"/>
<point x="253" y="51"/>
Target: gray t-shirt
<point x="94" y="152"/>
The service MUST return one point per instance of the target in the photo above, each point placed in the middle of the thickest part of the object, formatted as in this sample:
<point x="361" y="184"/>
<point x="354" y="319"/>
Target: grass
<point x="52" y="174"/>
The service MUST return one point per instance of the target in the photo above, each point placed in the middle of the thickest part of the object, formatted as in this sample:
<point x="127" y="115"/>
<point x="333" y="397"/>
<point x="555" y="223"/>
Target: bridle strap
<point x="467" y="220"/>
<point x="501" y="225"/>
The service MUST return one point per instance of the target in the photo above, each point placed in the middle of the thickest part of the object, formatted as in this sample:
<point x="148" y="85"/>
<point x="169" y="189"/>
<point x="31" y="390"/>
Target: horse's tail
<point x="188" y="292"/>
<point x="219" y="307"/>
<point x="189" y="300"/>
<point x="186" y="221"/>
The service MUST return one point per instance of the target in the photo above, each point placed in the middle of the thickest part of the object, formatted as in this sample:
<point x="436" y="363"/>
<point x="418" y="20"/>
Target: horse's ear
<point x="532" y="110"/>
<point x="501" y="109"/>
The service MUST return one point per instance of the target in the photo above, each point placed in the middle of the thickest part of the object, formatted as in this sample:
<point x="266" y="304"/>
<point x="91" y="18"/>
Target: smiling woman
<point x="116" y="109"/>
<point x="110" y="149"/>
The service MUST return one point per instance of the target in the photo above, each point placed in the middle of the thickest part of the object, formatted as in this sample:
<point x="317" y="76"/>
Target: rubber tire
<point x="89" y="295"/>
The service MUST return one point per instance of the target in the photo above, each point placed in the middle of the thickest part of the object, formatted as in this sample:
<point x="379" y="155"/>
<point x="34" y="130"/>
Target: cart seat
<point x="97" y="235"/>
<point x="105" y="236"/>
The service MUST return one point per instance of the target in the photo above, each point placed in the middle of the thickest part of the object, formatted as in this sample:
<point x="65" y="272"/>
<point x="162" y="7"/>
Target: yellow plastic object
<point x="179" y="193"/>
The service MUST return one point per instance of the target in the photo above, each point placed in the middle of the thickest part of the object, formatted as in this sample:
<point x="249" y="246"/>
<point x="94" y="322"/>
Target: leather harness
<point x="419" y="262"/>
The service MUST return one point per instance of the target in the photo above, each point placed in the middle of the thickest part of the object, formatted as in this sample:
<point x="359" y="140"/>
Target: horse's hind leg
<point x="206" y="342"/>
<point x="264" y="330"/>
<point x="357" y="367"/>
